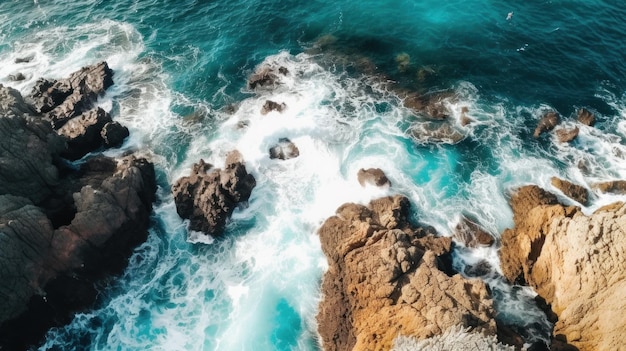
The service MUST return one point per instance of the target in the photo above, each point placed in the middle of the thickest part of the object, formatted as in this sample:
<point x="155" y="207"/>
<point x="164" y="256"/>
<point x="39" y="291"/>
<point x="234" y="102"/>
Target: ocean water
<point x="180" y="85"/>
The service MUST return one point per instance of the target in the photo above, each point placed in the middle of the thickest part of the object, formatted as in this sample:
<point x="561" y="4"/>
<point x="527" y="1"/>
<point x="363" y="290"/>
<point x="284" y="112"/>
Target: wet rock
<point x="404" y="61"/>
<point x="547" y="123"/>
<point x="586" y="117"/>
<point x="465" y="120"/>
<point x="479" y="269"/>
<point x="209" y="196"/>
<point x="615" y="187"/>
<point x="12" y="103"/>
<point x="266" y="77"/>
<point x="270" y="106"/>
<point x="113" y="134"/>
<point x="48" y="94"/>
<point x="470" y="234"/>
<point x="16" y="77"/>
<point x="571" y="190"/>
<point x="373" y="176"/>
<point x="83" y="133"/>
<point x="284" y="150"/>
<point x="431" y="106"/>
<point x="25" y="59"/>
<point x="385" y="280"/>
<point x="566" y="135"/>
<point x="574" y="262"/>
<point x="437" y="132"/>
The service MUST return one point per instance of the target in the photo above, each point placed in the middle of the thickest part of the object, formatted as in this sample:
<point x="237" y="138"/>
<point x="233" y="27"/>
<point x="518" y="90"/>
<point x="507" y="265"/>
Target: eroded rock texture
<point x="209" y="196"/>
<point x="386" y="279"/>
<point x="575" y="262"/>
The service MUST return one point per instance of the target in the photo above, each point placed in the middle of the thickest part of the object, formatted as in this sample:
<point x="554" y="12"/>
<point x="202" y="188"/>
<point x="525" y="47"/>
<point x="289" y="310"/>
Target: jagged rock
<point x="385" y="280"/>
<point x="471" y="234"/>
<point x="83" y="133"/>
<point x="284" y="150"/>
<point x="374" y="176"/>
<point x="431" y="106"/>
<point x="571" y="190"/>
<point x="208" y="199"/>
<point x="112" y="217"/>
<point x="567" y="135"/>
<point x="47" y="94"/>
<point x="575" y="262"/>
<point x="614" y="186"/>
<point x="270" y="106"/>
<point x="113" y="134"/>
<point x="266" y="77"/>
<point x="16" y="77"/>
<point x="547" y="123"/>
<point x="586" y="117"/>
<point x="12" y="104"/>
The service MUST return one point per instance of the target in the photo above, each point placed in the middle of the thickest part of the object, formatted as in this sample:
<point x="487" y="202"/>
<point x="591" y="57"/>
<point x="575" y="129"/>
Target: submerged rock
<point x="373" y="176"/>
<point x="547" y="123"/>
<point x="284" y="150"/>
<point x="207" y="197"/>
<point x="437" y="132"/>
<point x="575" y="263"/>
<point x="387" y="279"/>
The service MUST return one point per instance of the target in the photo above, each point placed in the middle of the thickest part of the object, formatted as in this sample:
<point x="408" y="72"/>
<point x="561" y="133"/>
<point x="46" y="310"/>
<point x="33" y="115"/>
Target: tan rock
<point x="566" y="135"/>
<point x="374" y="176"/>
<point x="576" y="263"/>
<point x="384" y="281"/>
<point x="471" y="234"/>
<point x="585" y="117"/>
<point x="614" y="186"/>
<point x="571" y="190"/>
<point x="547" y="123"/>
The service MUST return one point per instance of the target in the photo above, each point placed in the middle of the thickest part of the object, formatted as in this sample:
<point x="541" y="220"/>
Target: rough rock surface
<point x="614" y="186"/>
<point x="373" y="176"/>
<point x="270" y="106"/>
<point x="586" y="117"/>
<point x="208" y="199"/>
<point x="566" y="135"/>
<point x="63" y="227"/>
<point x="387" y="279"/>
<point x="83" y="133"/>
<point x="575" y="262"/>
<point x="571" y="190"/>
<point x="285" y="149"/>
<point x="471" y="234"/>
<point x="113" y="134"/>
<point x="546" y="123"/>
<point x="266" y="76"/>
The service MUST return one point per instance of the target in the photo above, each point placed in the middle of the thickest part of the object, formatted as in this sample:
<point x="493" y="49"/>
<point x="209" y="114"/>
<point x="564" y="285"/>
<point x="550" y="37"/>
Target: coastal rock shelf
<point x="387" y="279"/>
<point x="63" y="227"/>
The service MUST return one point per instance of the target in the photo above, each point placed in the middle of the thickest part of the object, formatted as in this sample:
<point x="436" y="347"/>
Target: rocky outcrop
<point x="285" y="149"/>
<point x="470" y="234"/>
<point x="113" y="134"/>
<point x="63" y="228"/>
<point x="207" y="197"/>
<point x="373" y="176"/>
<point x="266" y="76"/>
<point x="566" y="135"/>
<point x="270" y="106"/>
<point x="388" y="279"/>
<point x="83" y="133"/>
<point x="547" y="123"/>
<point x="613" y="186"/>
<point x="574" y="191"/>
<point x="575" y="262"/>
<point x="586" y="117"/>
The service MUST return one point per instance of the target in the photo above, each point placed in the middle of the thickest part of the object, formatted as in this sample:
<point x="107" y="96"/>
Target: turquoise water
<point x="179" y="64"/>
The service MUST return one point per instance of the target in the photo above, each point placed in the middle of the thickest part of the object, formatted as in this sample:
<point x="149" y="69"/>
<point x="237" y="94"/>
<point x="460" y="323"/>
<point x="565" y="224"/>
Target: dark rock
<point x="48" y="94"/>
<point x="113" y="134"/>
<point x="264" y="77"/>
<point x="25" y="59"/>
<point x="208" y="199"/>
<point x="614" y="186"/>
<point x="547" y="123"/>
<point x="12" y="104"/>
<point x="374" y="176"/>
<point x="283" y="70"/>
<point x="571" y="190"/>
<point x="284" y="150"/>
<point x="471" y="234"/>
<point x="17" y="77"/>
<point x="83" y="133"/>
<point x="479" y="269"/>
<point x="272" y="106"/>
<point x="567" y="135"/>
<point x="586" y="117"/>
<point x="465" y="120"/>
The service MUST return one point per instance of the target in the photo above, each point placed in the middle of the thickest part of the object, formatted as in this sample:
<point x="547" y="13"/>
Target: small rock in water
<point x="567" y="135"/>
<point x="270" y="106"/>
<point x="284" y="150"/>
<point x="585" y="117"/>
<point x="25" y="59"/>
<point x="547" y="123"/>
<point x="374" y="176"/>
<point x="17" y="77"/>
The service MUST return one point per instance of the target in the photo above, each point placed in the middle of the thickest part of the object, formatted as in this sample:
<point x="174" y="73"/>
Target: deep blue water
<point x="179" y="64"/>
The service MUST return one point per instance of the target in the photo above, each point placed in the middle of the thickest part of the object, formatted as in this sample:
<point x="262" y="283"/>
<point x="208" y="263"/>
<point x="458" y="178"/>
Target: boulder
<point x="575" y="263"/>
<point x="566" y="135"/>
<point x="470" y="234"/>
<point x="546" y="123"/>
<point x="571" y="190"/>
<point x="113" y="134"/>
<point x="586" y="117"/>
<point x="270" y="106"/>
<point x="83" y="133"/>
<point x="431" y="106"/>
<point x="16" y="77"/>
<point x="373" y="176"/>
<point x="285" y="149"/>
<point x="386" y="279"/>
<point x="207" y="197"/>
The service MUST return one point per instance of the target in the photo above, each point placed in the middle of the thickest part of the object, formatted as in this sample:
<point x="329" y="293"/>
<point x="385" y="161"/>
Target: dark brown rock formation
<point x="571" y="190"/>
<point x="113" y="134"/>
<point x="575" y="263"/>
<point x="266" y="76"/>
<point x="373" y="176"/>
<point x="614" y="186"/>
<point x="547" y="123"/>
<point x="586" y="117"/>
<point x="385" y="279"/>
<point x="566" y="135"/>
<point x="209" y="196"/>
<point x="285" y="149"/>
<point x="270" y="106"/>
